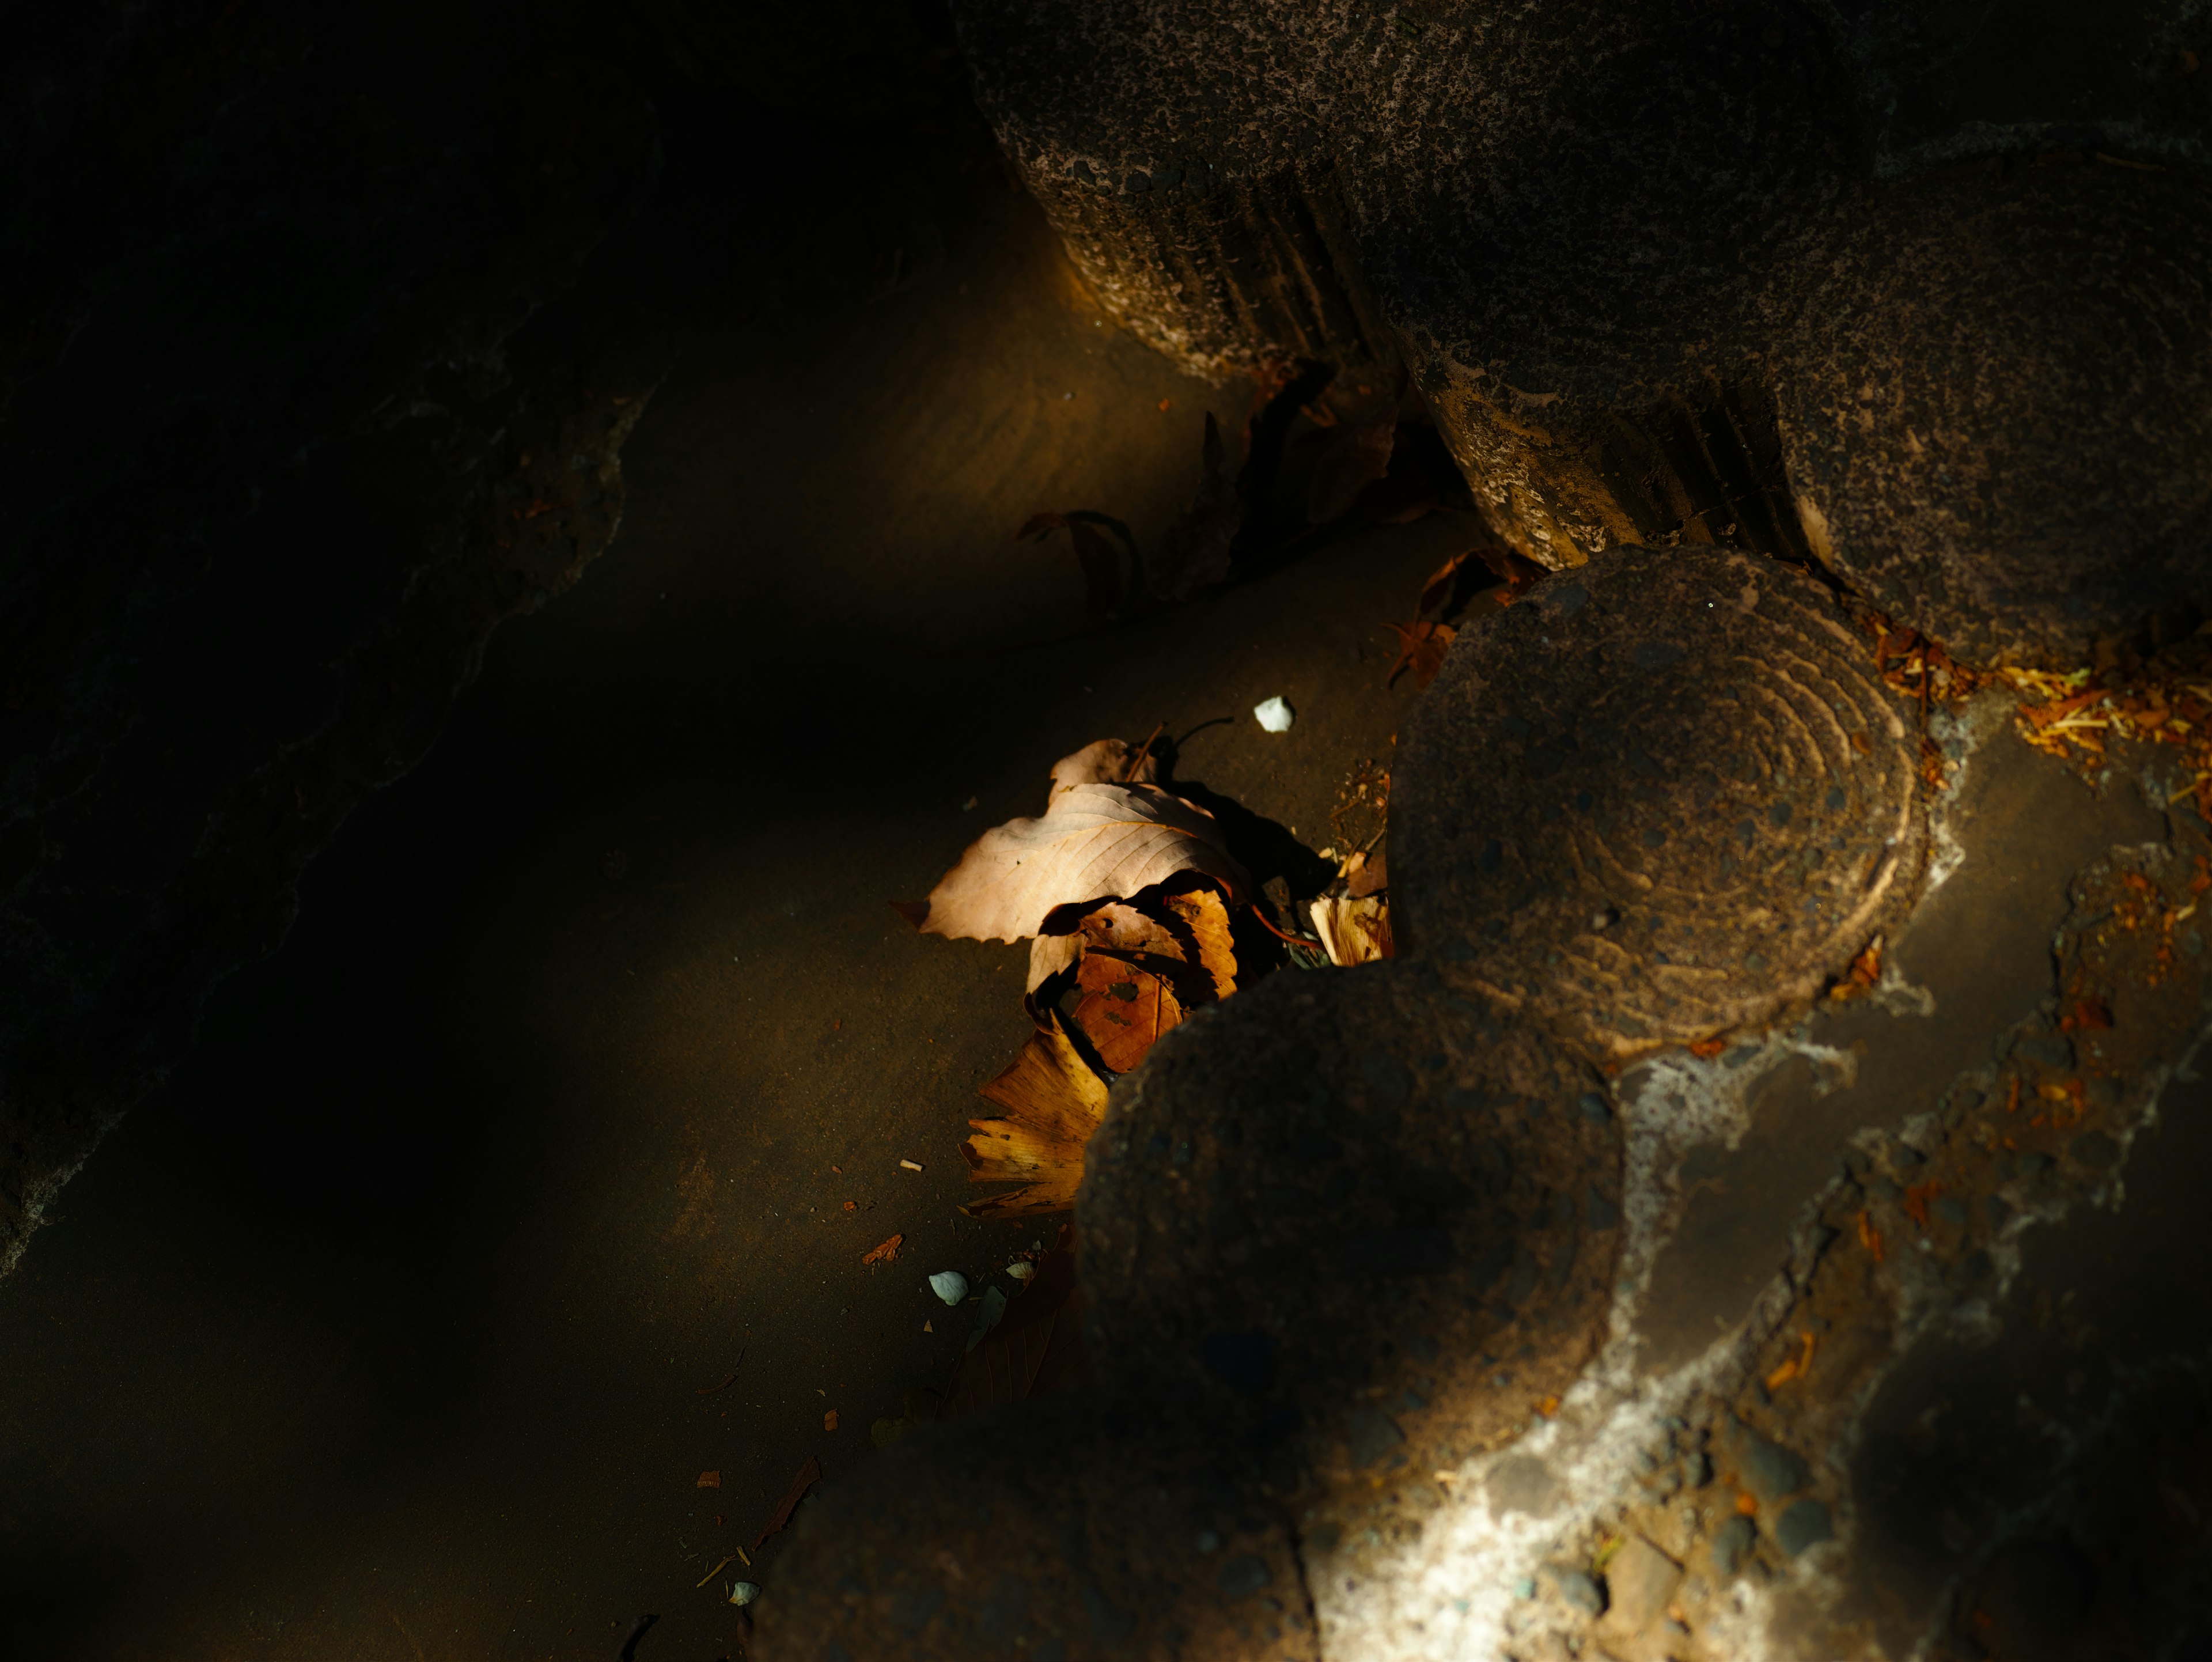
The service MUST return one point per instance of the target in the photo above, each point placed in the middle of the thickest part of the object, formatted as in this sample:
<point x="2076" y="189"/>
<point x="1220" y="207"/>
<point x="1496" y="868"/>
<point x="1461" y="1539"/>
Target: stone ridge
<point x="1662" y="795"/>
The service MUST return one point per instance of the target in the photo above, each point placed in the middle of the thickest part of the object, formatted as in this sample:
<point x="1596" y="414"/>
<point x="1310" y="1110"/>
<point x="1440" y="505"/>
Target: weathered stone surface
<point x="1605" y="235"/>
<point x="1359" y="1224"/>
<point x="1663" y="795"/>
<point x="1999" y="422"/>
<point x="1061" y="1528"/>
<point x="1639" y="1580"/>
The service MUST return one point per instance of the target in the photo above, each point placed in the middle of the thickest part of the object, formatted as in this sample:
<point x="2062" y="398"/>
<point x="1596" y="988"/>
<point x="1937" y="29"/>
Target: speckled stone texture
<point x="2000" y="425"/>
<point x="1060" y="1530"/>
<point x="1663" y="795"/>
<point x="1357" y="1224"/>
<point x="1607" y="236"/>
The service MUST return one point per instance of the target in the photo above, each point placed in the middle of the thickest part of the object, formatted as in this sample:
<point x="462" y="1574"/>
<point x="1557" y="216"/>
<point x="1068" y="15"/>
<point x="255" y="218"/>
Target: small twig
<point x="1294" y="940"/>
<point x="714" y="1572"/>
<point x="629" y="1645"/>
<point x="1157" y="728"/>
<point x="708" y="1390"/>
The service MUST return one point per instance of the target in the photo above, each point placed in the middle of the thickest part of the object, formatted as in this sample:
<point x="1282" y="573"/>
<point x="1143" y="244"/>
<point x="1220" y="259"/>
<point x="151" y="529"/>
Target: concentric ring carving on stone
<point x="1663" y="795"/>
<point x="1059" y="1527"/>
<point x="1356" y="1222"/>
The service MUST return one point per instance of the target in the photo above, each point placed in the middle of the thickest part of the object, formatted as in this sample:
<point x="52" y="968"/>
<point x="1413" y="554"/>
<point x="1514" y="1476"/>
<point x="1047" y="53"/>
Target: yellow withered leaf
<point x="1053" y="1102"/>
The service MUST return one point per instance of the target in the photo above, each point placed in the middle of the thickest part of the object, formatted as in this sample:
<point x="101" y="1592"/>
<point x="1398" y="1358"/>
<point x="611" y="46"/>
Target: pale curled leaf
<point x="1049" y="955"/>
<point x="1353" y="931"/>
<point x="1095" y="842"/>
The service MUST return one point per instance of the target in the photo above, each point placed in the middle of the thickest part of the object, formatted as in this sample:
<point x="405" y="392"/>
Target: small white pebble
<point x="1275" y="715"/>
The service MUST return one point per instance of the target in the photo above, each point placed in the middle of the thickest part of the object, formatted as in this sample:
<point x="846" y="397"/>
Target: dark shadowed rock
<point x="1917" y="298"/>
<point x="1048" y="1528"/>
<point x="1379" y="1254"/>
<point x="1662" y="795"/>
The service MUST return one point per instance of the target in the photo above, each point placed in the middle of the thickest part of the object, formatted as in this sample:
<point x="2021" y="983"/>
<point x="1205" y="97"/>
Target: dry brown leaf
<point x="1094" y="842"/>
<point x="830" y="1421"/>
<point x="809" y="1474"/>
<point x="1036" y="1347"/>
<point x="1357" y="454"/>
<point x="1353" y="931"/>
<point x="887" y="1253"/>
<point x="1421" y="647"/>
<point x="710" y="1479"/>
<point x="1182" y="936"/>
<point x="1436" y="592"/>
<point x="1194" y="553"/>
<point x="1100" y="561"/>
<point x="1123" y="1010"/>
<point x="1365" y="874"/>
<point x="1053" y="1101"/>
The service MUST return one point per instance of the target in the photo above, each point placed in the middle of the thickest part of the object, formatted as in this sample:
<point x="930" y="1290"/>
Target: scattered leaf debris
<point x="809" y="1474"/>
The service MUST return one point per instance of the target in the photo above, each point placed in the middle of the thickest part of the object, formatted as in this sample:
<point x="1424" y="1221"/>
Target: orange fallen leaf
<point x="850" y="1205"/>
<point x="1123" y="1009"/>
<point x="1548" y="1406"/>
<point x="830" y="1421"/>
<point x="1206" y="916"/>
<point x="1746" y="1503"/>
<point x="1708" y="1048"/>
<point x="1869" y="1237"/>
<point x="710" y="1479"/>
<point x="1179" y="931"/>
<point x="1421" y="646"/>
<point x="887" y="1253"/>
